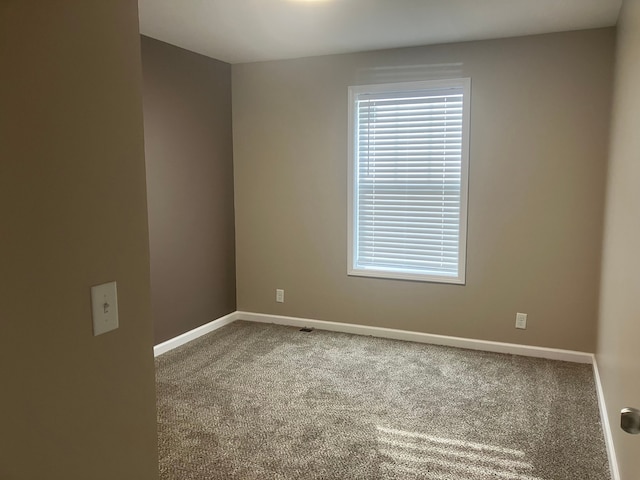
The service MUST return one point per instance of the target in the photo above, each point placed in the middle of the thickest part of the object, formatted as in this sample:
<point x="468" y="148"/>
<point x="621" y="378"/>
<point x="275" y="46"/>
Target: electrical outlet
<point x="521" y="320"/>
<point x="279" y="295"/>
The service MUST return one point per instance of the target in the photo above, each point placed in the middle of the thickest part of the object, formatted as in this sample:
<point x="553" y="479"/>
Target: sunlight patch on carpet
<point x="415" y="452"/>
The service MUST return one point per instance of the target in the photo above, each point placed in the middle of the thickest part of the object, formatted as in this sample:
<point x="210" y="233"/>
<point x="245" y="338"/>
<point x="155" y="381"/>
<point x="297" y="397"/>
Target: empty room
<point x="319" y="239"/>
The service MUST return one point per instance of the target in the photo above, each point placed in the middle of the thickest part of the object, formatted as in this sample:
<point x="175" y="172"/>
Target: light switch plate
<point x="104" y="308"/>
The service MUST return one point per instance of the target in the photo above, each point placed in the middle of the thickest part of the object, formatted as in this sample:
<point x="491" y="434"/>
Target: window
<point x="408" y="173"/>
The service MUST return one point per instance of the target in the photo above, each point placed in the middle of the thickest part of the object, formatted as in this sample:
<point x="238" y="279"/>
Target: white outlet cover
<point x="521" y="320"/>
<point x="104" y="308"/>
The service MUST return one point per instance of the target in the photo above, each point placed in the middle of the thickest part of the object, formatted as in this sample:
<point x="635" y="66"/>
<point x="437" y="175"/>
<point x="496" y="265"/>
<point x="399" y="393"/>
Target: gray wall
<point x="618" y="353"/>
<point x="539" y="135"/>
<point x="73" y="209"/>
<point x="188" y="144"/>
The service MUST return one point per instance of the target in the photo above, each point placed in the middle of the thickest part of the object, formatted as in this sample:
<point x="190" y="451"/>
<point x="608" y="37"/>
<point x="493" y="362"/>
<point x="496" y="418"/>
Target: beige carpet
<point x="256" y="401"/>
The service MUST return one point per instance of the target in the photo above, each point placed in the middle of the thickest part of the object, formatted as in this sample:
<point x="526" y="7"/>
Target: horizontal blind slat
<point x="408" y="170"/>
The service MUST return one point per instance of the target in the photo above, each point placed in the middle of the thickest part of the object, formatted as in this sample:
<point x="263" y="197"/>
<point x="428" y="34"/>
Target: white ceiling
<point x="239" y="31"/>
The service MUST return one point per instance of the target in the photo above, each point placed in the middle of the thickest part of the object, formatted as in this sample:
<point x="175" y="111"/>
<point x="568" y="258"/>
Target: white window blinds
<point x="408" y="191"/>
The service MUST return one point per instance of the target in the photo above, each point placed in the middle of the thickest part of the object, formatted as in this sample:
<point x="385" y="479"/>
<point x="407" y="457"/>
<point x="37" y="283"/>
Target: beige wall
<point x="539" y="133"/>
<point x="618" y="352"/>
<point x="73" y="209"/>
<point x="188" y="146"/>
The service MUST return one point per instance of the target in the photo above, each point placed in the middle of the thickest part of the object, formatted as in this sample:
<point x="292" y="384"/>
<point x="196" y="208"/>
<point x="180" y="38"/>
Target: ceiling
<point x="240" y="31"/>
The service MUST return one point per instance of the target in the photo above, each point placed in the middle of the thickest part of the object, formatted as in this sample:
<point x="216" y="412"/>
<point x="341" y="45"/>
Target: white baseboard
<point x="472" y="344"/>
<point x="469" y="343"/>
<point x="606" y="426"/>
<point x="186" y="337"/>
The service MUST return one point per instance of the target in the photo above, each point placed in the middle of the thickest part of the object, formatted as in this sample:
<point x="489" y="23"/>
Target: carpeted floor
<point x="257" y="401"/>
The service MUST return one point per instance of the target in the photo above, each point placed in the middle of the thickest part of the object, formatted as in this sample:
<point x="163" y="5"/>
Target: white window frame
<point x="354" y="92"/>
